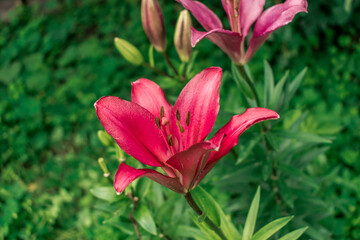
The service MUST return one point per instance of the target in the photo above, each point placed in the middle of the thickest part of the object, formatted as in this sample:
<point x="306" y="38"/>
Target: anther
<point x="181" y="129"/>
<point x="178" y="117"/>
<point x="188" y="118"/>
<point x="162" y="112"/>
<point x="158" y="122"/>
<point x="170" y="140"/>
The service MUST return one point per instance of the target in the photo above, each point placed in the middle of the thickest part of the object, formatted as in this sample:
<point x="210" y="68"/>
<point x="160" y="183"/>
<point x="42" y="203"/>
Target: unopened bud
<point x="105" y="138"/>
<point x="120" y="155"/>
<point x="103" y="167"/>
<point x="153" y="23"/>
<point x="182" y="37"/>
<point x="129" y="51"/>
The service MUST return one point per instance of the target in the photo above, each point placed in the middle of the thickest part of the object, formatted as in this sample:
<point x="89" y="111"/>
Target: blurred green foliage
<point x="58" y="58"/>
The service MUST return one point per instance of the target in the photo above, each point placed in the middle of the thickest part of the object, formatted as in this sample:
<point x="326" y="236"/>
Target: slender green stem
<point x="132" y="218"/>
<point x="207" y="220"/>
<point x="250" y="83"/>
<point x="168" y="60"/>
<point x="157" y="70"/>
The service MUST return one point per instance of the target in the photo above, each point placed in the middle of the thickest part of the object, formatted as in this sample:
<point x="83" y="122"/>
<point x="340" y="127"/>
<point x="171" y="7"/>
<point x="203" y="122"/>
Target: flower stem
<point x="207" y="220"/>
<point x="157" y="70"/>
<point x="250" y="83"/>
<point x="167" y="59"/>
<point x="132" y="219"/>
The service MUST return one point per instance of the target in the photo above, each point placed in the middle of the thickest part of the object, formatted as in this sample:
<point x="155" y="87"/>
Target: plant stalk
<point x="157" y="70"/>
<point x="167" y="59"/>
<point x="207" y="220"/>
<point x="132" y="219"/>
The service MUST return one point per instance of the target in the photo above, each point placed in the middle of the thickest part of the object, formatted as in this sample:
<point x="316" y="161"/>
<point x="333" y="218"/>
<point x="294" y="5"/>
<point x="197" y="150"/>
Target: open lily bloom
<point x="173" y="137"/>
<point x="242" y="14"/>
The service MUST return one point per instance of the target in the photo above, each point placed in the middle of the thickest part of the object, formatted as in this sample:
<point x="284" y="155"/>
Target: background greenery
<point x="58" y="58"/>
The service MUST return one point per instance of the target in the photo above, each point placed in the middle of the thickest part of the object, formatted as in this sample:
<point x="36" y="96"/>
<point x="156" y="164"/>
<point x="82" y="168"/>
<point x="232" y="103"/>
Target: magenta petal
<point x="202" y="13"/>
<point x="150" y="96"/>
<point x="237" y="125"/>
<point x="229" y="42"/>
<point x="191" y="162"/>
<point x="272" y="19"/>
<point x="198" y="106"/>
<point x="250" y="10"/>
<point x="134" y="129"/>
<point x="126" y="174"/>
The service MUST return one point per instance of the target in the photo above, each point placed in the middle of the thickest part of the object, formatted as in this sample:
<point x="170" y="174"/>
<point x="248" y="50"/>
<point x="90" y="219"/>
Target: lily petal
<point x="228" y="41"/>
<point x="202" y="13"/>
<point x="272" y="19"/>
<point x="236" y="126"/>
<point x="134" y="130"/>
<point x="250" y="10"/>
<point x="126" y="174"/>
<point x="191" y="162"/>
<point x="229" y="134"/>
<point x="196" y="108"/>
<point x="150" y="96"/>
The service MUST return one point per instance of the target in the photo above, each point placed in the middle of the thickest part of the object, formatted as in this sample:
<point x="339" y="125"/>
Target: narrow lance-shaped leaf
<point x="240" y="81"/>
<point x="251" y="217"/>
<point x="294" y="234"/>
<point x="268" y="83"/>
<point x="105" y="193"/>
<point x="271" y="228"/>
<point x="295" y="84"/>
<point x="143" y="216"/>
<point x="276" y="94"/>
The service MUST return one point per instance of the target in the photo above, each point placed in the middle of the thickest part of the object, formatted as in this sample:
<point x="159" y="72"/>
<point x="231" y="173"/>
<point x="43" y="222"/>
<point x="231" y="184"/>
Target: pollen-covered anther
<point x="170" y="140"/>
<point x="188" y="118"/>
<point x="164" y="121"/>
<point x="162" y="112"/>
<point x="158" y="122"/>
<point x="178" y="117"/>
<point x="181" y="129"/>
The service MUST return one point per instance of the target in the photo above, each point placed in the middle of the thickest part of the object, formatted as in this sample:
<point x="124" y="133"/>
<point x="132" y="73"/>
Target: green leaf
<point x="268" y="83"/>
<point x="294" y="85"/>
<point x="207" y="204"/>
<point x="225" y="223"/>
<point x="251" y="217"/>
<point x="294" y="234"/>
<point x="183" y="231"/>
<point x="276" y="94"/>
<point x="269" y="229"/>
<point x="142" y="187"/>
<point x="240" y="81"/>
<point x="302" y="136"/>
<point x="105" y="193"/>
<point x="143" y="216"/>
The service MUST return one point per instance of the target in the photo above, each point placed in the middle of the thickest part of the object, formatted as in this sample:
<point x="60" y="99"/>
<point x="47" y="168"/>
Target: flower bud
<point x="104" y="167"/>
<point x="153" y="23"/>
<point x="182" y="38"/>
<point x="129" y="51"/>
<point x="105" y="138"/>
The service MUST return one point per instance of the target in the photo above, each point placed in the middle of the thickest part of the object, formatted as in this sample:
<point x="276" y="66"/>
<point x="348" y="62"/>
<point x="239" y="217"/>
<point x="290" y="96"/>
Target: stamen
<point x="178" y="117"/>
<point x="158" y="122"/>
<point x="170" y="140"/>
<point x="162" y="112"/>
<point x="188" y="118"/>
<point x="181" y="129"/>
<point x="164" y="121"/>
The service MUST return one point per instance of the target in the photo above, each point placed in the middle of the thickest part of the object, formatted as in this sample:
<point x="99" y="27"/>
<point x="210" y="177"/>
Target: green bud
<point x="120" y="155"/>
<point x="182" y="37"/>
<point x="104" y="167"/>
<point x="129" y="51"/>
<point x="105" y="138"/>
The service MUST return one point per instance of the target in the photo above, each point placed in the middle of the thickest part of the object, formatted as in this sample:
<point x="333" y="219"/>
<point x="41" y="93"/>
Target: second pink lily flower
<point x="173" y="137"/>
<point x="242" y="14"/>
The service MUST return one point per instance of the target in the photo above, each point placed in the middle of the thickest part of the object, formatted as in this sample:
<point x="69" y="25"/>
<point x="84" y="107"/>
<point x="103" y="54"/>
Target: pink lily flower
<point x="241" y="14"/>
<point x="173" y="137"/>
